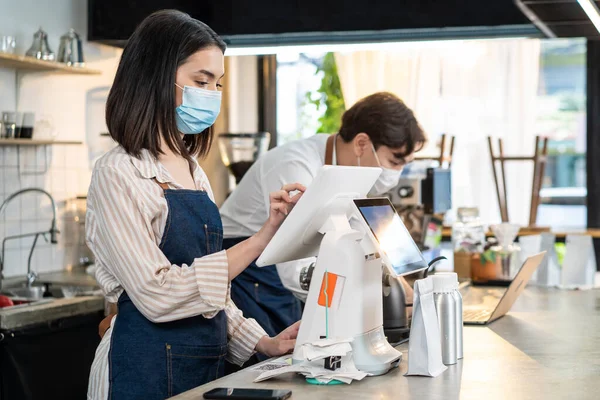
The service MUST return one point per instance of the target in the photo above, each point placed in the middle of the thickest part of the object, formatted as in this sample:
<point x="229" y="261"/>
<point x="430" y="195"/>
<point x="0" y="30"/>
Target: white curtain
<point x="469" y="89"/>
<point x="410" y="72"/>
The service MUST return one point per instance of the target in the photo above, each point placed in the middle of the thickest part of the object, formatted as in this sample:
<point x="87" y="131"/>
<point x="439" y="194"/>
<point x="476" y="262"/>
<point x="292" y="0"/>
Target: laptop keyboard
<point x="476" y="315"/>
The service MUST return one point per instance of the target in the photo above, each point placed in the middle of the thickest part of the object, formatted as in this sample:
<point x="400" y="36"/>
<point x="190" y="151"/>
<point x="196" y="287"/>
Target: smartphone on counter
<point x="247" y="394"/>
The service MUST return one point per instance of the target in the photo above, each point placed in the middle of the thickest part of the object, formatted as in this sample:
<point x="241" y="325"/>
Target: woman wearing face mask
<point x="377" y="131"/>
<point x="155" y="230"/>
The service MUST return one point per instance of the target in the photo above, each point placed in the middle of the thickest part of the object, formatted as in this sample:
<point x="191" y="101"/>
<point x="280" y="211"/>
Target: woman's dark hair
<point x="141" y="102"/>
<point x="387" y="121"/>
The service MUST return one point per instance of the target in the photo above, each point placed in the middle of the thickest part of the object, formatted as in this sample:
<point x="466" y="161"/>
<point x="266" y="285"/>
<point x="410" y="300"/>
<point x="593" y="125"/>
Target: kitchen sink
<point x="20" y="302"/>
<point x="29" y="293"/>
<point x="44" y="291"/>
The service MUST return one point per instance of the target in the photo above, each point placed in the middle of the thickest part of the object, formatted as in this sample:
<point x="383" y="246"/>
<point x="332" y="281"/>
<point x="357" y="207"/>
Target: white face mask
<point x="387" y="180"/>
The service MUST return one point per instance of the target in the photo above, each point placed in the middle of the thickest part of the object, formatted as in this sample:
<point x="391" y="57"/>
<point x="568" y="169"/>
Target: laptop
<point x="484" y="305"/>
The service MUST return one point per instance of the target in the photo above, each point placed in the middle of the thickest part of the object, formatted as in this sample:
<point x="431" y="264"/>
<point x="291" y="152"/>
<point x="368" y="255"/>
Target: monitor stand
<point x="344" y="299"/>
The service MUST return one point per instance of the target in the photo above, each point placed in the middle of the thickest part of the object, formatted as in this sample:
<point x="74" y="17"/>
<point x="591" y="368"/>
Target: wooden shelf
<point x="33" y="64"/>
<point x="559" y="233"/>
<point x="36" y="142"/>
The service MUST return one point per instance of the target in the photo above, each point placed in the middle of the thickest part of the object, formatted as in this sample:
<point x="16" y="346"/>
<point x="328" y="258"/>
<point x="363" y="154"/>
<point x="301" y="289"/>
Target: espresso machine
<point x="240" y="150"/>
<point x="430" y="189"/>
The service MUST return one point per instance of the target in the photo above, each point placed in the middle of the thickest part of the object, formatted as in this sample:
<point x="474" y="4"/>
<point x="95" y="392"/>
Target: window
<point x="297" y="77"/>
<point x="562" y="118"/>
<point x="468" y="89"/>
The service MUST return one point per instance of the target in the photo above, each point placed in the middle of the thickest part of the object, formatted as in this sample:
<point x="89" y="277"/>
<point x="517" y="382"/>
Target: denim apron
<point x="158" y="360"/>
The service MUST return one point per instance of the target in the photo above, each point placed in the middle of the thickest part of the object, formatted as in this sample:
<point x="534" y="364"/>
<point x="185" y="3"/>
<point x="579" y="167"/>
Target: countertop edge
<point x="15" y="318"/>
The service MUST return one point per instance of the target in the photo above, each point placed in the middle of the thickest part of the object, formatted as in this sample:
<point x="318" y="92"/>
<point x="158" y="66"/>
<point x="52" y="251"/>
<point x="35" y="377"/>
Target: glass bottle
<point x="468" y="237"/>
<point x="468" y="232"/>
<point x="77" y="253"/>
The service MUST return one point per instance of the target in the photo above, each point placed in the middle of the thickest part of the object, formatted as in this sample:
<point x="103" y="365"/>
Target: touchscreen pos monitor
<point x="400" y="252"/>
<point x="345" y="296"/>
<point x="298" y="236"/>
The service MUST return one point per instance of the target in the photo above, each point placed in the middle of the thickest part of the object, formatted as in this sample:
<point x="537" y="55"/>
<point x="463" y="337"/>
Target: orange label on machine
<point x="327" y="286"/>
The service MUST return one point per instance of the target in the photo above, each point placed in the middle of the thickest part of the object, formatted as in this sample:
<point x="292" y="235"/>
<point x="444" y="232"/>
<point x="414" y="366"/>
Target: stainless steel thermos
<point x="448" y="304"/>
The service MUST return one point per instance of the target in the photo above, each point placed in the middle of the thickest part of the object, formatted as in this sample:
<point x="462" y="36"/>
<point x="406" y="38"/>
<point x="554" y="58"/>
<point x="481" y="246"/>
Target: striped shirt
<point x="125" y="221"/>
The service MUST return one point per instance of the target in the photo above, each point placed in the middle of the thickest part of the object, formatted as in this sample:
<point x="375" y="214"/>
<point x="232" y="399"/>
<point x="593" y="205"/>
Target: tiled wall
<point x="67" y="176"/>
<point x="66" y="107"/>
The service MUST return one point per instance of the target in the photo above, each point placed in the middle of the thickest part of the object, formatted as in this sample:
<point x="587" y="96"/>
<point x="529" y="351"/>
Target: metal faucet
<point x="31" y="276"/>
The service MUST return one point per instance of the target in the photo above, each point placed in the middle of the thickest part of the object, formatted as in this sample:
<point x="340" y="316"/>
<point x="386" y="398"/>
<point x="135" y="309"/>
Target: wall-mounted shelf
<point x="36" y="142"/>
<point x="25" y="63"/>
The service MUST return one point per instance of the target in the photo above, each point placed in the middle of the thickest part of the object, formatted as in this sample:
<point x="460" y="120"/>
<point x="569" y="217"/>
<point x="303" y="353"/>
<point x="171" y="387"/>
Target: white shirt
<point x="247" y="208"/>
<point x="125" y="222"/>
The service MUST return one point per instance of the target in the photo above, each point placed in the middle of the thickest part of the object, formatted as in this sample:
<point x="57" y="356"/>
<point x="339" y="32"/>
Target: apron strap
<point x="164" y="186"/>
<point x="329" y="149"/>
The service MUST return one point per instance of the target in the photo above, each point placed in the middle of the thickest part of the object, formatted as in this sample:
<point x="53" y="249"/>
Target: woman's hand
<point x="281" y="344"/>
<point x="281" y="203"/>
<point x="105" y="324"/>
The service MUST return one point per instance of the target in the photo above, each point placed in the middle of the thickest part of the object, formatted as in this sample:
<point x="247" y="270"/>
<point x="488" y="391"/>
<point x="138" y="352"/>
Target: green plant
<point x="570" y="102"/>
<point x="328" y="97"/>
<point x="560" y="249"/>
<point x="488" y="256"/>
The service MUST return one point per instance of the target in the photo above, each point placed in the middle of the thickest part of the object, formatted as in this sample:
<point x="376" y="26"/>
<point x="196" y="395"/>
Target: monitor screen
<point x="393" y="237"/>
<point x="442" y="190"/>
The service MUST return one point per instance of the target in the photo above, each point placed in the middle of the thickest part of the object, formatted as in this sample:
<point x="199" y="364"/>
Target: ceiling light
<point x="592" y="11"/>
<point x="351" y="47"/>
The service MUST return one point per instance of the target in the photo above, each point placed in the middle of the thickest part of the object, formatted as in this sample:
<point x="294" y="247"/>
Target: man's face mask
<point x="387" y="180"/>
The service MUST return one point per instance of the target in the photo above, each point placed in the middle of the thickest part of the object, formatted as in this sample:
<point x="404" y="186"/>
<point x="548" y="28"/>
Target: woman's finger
<point x="297" y="197"/>
<point x="284" y="192"/>
<point x="287" y="346"/>
<point x="292" y="187"/>
<point x="280" y="195"/>
<point x="292" y="330"/>
<point x="279" y="207"/>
